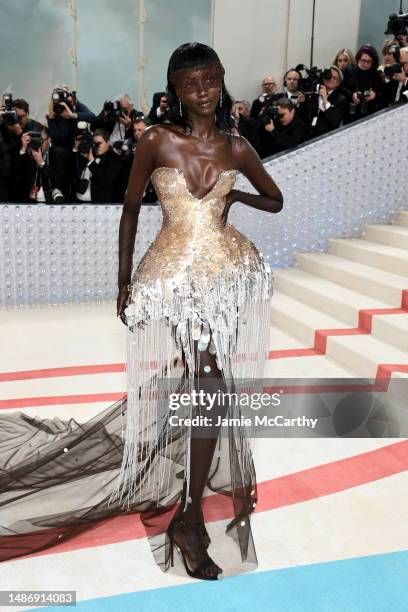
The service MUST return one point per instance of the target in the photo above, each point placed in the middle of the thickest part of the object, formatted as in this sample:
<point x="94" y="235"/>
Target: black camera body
<point x="58" y="96"/>
<point x="362" y="96"/>
<point x="310" y="84"/>
<point x="86" y="138"/>
<point x="113" y="109"/>
<point x="397" y="24"/>
<point x="269" y="113"/>
<point x="123" y="148"/>
<point x="9" y="116"/>
<point x="35" y="140"/>
<point x="389" y="71"/>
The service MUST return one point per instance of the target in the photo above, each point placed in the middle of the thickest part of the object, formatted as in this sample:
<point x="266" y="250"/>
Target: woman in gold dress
<point x="200" y="296"/>
<point x="197" y="310"/>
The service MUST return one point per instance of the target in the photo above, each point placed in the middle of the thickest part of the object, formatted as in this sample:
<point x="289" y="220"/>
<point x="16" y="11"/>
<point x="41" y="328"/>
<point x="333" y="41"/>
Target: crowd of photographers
<point x="82" y="157"/>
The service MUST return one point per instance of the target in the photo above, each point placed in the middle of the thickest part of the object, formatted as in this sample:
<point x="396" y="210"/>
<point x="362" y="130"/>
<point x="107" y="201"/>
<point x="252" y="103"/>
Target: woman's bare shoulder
<point x="160" y="131"/>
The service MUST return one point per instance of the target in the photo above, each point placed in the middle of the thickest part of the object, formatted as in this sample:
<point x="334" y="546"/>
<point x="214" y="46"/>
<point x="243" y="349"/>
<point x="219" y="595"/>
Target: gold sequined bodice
<point x="193" y="237"/>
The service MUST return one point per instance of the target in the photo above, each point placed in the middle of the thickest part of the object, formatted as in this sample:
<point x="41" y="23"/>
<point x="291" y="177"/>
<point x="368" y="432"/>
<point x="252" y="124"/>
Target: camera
<point x="397" y="24"/>
<point x="86" y="138"/>
<point x="269" y="113"/>
<point x="113" y="109"/>
<point x="35" y="140"/>
<point x="312" y="78"/>
<point x="58" y="96"/>
<point x="9" y="115"/>
<point x="123" y="147"/>
<point x="362" y="96"/>
<point x="389" y="71"/>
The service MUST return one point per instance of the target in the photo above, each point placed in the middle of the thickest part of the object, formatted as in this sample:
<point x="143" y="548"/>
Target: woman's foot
<point x="187" y="537"/>
<point x="203" y="530"/>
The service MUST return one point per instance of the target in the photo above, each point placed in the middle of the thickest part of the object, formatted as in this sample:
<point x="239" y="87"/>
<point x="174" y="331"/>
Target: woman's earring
<point x="180" y="109"/>
<point x="221" y="99"/>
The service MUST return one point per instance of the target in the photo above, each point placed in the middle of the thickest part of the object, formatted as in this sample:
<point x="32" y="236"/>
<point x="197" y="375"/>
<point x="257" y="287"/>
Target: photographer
<point x="365" y="84"/>
<point x="325" y="110"/>
<point x="160" y="108"/>
<point x="16" y="120"/>
<point x="117" y="117"/>
<point x="267" y="97"/>
<point x="64" y="111"/>
<point x="41" y="170"/>
<point x="396" y="77"/>
<point x="246" y="125"/>
<point x="98" y="168"/>
<point x="282" y="128"/>
<point x="291" y="81"/>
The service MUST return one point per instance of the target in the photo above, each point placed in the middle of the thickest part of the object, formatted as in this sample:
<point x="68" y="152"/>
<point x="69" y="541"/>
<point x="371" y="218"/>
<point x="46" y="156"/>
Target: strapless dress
<point x="201" y="279"/>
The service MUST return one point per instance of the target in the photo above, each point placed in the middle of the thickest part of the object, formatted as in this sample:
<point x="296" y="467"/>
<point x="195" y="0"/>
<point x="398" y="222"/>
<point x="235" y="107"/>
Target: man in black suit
<point x="98" y="171"/>
<point x="325" y="110"/>
<point x="41" y="170"/>
<point x="396" y="89"/>
<point x="268" y="96"/>
<point x="286" y="133"/>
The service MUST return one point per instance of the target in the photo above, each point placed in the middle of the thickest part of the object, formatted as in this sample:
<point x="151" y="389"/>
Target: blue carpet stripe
<point x="375" y="583"/>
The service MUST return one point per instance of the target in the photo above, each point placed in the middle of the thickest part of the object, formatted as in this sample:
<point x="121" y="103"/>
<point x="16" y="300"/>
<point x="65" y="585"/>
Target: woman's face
<point x="199" y="89"/>
<point x="342" y="61"/>
<point x="365" y="62"/>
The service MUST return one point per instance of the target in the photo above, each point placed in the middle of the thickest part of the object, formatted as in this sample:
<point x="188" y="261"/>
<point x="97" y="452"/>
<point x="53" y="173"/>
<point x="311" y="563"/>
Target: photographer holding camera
<point x="160" y="108"/>
<point x="16" y="120"/>
<point x="41" y="170"/>
<point x="64" y="111"/>
<point x="98" y="167"/>
<point x="282" y="128"/>
<point x="117" y="117"/>
<point x="267" y="97"/>
<point x="396" y="77"/>
<point x="365" y="84"/>
<point x="324" y="110"/>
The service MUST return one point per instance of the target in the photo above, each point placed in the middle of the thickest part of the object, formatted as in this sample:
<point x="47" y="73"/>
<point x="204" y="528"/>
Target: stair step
<point x="301" y="320"/>
<point x="392" y="235"/>
<point x="343" y="304"/>
<point x="363" y="354"/>
<point x="324" y="295"/>
<point x="392" y="329"/>
<point x="400" y="217"/>
<point x="382" y="257"/>
<point x="386" y="287"/>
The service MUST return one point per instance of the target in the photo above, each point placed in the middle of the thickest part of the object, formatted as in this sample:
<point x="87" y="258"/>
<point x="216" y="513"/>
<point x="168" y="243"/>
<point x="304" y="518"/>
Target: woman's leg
<point x="188" y="536"/>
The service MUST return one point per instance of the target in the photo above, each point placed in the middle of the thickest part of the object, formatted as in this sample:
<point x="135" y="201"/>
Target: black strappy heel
<point x="203" y="530"/>
<point x="198" y="572"/>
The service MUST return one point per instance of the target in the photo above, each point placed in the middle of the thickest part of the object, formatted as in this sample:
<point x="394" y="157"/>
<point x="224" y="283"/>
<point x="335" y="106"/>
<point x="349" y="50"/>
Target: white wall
<point x="250" y="37"/>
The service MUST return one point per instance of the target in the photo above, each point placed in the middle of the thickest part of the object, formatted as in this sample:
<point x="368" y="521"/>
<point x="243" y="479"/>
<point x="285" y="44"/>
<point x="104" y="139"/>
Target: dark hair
<point x="368" y="50"/>
<point x="102" y="133"/>
<point x="285" y="103"/>
<point x="193" y="56"/>
<point x="22" y="104"/>
<point x="157" y="97"/>
<point x="142" y="119"/>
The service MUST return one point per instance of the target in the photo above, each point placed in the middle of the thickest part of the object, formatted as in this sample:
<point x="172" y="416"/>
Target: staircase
<point x="348" y="306"/>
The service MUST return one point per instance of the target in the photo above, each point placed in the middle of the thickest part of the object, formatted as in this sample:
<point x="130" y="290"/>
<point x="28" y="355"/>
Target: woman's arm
<point x="270" y="197"/>
<point x="142" y="167"/>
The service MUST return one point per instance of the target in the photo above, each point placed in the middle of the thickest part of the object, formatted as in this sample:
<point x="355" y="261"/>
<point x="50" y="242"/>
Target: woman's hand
<point x="121" y="303"/>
